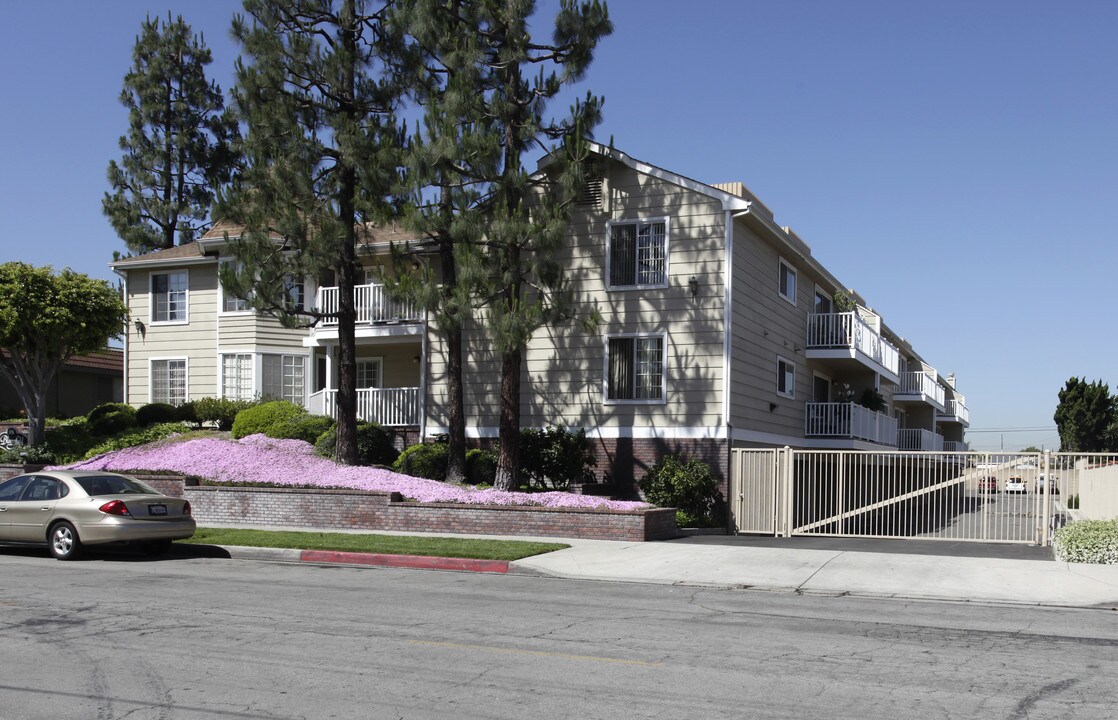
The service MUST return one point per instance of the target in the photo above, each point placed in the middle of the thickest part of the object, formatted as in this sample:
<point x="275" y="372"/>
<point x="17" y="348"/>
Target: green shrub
<point x="30" y="455"/>
<point x="221" y="412"/>
<point x="307" y="428"/>
<point x="153" y="413"/>
<point x="557" y="456"/>
<point x="188" y="413"/>
<point x="111" y="418"/>
<point x="374" y="444"/>
<point x="1088" y="541"/>
<point x="260" y="418"/>
<point x="688" y="486"/>
<point x="481" y="467"/>
<point x="139" y="436"/>
<point x="425" y="460"/>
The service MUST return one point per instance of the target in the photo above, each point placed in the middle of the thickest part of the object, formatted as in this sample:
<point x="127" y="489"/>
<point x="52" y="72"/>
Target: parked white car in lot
<point x="1016" y="484"/>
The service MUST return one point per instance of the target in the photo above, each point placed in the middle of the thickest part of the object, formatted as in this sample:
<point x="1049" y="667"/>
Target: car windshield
<point x="113" y="485"/>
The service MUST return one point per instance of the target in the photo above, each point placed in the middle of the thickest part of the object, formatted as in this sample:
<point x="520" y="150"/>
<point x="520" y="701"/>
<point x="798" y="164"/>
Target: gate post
<point x="784" y="491"/>
<point x="1043" y="515"/>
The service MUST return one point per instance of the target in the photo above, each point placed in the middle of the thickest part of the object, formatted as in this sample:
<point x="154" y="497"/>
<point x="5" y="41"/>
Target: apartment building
<point x="719" y="329"/>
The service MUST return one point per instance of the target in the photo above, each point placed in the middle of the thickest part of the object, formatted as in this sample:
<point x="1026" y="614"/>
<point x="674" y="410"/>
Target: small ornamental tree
<point x="177" y="149"/>
<point x="1084" y="416"/>
<point x="45" y="319"/>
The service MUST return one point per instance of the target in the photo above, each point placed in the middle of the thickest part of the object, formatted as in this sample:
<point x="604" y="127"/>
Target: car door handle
<point x="45" y="507"/>
<point x="3" y="509"/>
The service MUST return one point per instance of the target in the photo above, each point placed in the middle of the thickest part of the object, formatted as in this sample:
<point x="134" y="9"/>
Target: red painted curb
<point x="406" y="561"/>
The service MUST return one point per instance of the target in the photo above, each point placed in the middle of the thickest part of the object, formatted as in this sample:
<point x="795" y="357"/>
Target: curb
<point x="416" y="562"/>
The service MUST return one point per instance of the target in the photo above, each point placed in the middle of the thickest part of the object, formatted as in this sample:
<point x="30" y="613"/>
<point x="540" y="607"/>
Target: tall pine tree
<point x="526" y="213"/>
<point x="318" y="86"/>
<point x="1085" y="416"/>
<point x="177" y="150"/>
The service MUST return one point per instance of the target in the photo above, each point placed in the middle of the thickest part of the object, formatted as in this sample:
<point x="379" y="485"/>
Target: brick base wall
<point x="624" y="461"/>
<point x="357" y="510"/>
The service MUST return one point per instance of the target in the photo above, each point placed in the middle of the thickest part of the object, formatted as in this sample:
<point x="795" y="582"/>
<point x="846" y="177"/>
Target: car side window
<point x="42" y="489"/>
<point x="12" y="489"/>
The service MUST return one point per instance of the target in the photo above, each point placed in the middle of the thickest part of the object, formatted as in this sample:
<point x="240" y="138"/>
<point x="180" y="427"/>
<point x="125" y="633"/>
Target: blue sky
<point x="956" y="163"/>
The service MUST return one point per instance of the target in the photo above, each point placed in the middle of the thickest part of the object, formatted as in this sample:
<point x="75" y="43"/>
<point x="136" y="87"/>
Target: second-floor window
<point x="787" y="282"/>
<point x="635" y="368"/>
<point x="168" y="297"/>
<point x="785" y="378"/>
<point x="638" y="253"/>
<point x="231" y="303"/>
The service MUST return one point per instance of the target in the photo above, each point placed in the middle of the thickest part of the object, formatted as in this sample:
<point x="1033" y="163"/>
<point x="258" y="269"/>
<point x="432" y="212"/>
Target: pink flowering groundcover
<point x="259" y="459"/>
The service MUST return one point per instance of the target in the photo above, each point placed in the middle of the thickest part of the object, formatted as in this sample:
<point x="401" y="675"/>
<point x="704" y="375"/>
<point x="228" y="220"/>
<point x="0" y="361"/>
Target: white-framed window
<point x="168" y="381"/>
<point x="236" y="376"/>
<point x="370" y="373"/>
<point x="824" y="305"/>
<point x="636" y="368"/>
<point x="787" y="284"/>
<point x="230" y="303"/>
<point x="637" y="253"/>
<point x="294" y="292"/>
<point x="785" y="377"/>
<point x="169" y="297"/>
<point x="283" y="377"/>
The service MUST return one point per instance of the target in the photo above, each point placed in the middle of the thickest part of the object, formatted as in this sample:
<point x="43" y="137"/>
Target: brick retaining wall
<point x="358" y="510"/>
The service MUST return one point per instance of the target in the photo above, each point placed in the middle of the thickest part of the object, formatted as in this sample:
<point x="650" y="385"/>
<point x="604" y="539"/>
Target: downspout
<point x="127" y="326"/>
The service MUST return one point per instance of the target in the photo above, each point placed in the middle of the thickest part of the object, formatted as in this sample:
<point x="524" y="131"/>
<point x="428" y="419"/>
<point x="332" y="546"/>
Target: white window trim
<point x="379" y="362"/>
<point x="151" y="298"/>
<point x="254" y="372"/>
<point x="790" y="395"/>
<point x="795" y="281"/>
<point x="663" y="399"/>
<point x="221" y="308"/>
<point x="186" y="375"/>
<point x="258" y="371"/>
<point x="667" y="253"/>
<point x="821" y="291"/>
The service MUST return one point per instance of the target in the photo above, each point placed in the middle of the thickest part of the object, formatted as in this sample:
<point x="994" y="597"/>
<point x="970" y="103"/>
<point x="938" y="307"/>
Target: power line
<point x="1051" y="428"/>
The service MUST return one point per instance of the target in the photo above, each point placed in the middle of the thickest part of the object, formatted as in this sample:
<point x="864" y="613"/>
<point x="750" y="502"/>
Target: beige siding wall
<point x="563" y="372"/>
<point x="195" y="340"/>
<point x="400" y="367"/>
<point x="765" y="327"/>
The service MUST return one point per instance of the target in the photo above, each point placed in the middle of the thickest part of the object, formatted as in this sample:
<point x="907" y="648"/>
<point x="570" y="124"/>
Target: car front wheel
<point x="64" y="542"/>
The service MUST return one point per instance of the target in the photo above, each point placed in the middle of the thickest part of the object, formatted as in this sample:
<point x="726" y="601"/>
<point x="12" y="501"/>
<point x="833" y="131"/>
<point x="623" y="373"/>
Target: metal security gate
<point x="982" y="497"/>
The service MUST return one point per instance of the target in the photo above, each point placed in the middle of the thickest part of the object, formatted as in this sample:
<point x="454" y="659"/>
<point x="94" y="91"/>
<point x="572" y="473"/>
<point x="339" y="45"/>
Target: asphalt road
<point x="124" y="637"/>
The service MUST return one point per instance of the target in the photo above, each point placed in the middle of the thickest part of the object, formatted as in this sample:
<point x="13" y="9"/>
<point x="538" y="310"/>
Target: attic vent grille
<point x="590" y="194"/>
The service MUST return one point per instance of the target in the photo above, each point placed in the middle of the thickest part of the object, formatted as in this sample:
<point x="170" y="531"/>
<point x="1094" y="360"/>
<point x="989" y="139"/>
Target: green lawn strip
<point x="381" y="544"/>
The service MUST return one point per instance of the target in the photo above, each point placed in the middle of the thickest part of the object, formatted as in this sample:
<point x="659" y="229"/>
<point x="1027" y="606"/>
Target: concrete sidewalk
<point x="971" y="573"/>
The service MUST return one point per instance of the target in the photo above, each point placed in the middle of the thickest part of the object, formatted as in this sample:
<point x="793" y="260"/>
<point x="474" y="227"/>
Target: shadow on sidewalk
<point x="947" y="548"/>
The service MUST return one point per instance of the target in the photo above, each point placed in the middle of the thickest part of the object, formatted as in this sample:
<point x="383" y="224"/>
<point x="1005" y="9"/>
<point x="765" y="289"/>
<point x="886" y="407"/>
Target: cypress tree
<point x="318" y="87"/>
<point x="177" y="149"/>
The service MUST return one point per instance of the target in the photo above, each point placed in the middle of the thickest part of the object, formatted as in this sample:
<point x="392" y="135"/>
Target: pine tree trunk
<point x="456" y="457"/>
<point x="508" y="461"/>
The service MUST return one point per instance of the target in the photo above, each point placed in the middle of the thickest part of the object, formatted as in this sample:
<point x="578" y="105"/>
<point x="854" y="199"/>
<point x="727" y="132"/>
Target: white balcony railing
<point x="955" y="446"/>
<point x="372" y="303"/>
<point x="849" y="330"/>
<point x="387" y="406"/>
<point x="914" y="439"/>
<point x="921" y="383"/>
<point x="956" y="409"/>
<point x="850" y="420"/>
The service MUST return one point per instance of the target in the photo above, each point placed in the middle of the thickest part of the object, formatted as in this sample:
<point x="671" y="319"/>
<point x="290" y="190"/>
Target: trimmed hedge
<point x="481" y="467"/>
<point x="374" y="444"/>
<point x="556" y="456"/>
<point x="154" y="413"/>
<point x="689" y="486"/>
<point x="261" y="418"/>
<point x="1088" y="541"/>
<point x="425" y="460"/>
<point x="307" y="428"/>
<point x="111" y="418"/>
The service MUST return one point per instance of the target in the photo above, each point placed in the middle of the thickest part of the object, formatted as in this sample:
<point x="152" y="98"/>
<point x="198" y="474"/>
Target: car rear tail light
<point x="185" y="507"/>
<point x="115" y="507"/>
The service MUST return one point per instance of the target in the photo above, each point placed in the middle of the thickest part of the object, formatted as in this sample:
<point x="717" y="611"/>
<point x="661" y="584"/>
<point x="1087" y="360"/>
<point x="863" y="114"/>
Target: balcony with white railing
<point x="915" y="439"/>
<point x="920" y="387"/>
<point x="955" y="446"/>
<point x="850" y="420"/>
<point x="955" y="412"/>
<point x="372" y="303"/>
<point x="392" y="407"/>
<point x="850" y="335"/>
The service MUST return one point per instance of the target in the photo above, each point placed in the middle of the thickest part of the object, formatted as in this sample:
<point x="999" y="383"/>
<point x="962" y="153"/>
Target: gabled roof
<point x="367" y="234"/>
<point x="178" y="255"/>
